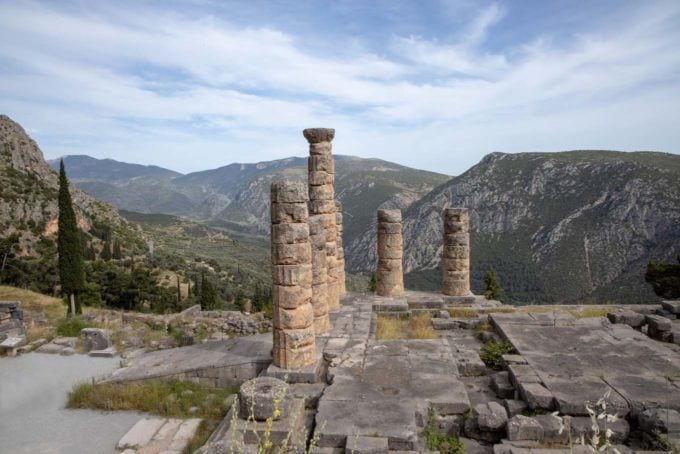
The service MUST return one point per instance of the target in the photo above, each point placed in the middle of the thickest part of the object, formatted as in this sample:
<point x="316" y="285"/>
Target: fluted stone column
<point x="340" y="250"/>
<point x="321" y="202"/>
<point x="317" y="234"/>
<point x="294" y="339"/>
<point x="456" y="254"/>
<point x="389" y="276"/>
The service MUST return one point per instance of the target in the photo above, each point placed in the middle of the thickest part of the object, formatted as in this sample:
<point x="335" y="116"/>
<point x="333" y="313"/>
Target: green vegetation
<point x="71" y="326"/>
<point x="492" y="289"/>
<point x="171" y="399"/>
<point x="664" y="278"/>
<point x="414" y="327"/>
<point x="71" y="272"/>
<point x="492" y="353"/>
<point x="445" y="444"/>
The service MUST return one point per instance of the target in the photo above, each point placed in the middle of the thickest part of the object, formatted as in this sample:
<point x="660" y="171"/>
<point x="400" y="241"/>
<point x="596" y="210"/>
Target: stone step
<point x="159" y="435"/>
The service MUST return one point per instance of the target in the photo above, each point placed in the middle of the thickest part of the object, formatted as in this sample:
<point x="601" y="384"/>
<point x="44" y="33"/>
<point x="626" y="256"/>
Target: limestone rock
<point x="491" y="416"/>
<point x="524" y="428"/>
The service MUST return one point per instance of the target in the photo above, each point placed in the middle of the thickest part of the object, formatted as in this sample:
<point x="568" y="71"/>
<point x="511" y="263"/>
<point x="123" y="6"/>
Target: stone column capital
<point x="318" y="135"/>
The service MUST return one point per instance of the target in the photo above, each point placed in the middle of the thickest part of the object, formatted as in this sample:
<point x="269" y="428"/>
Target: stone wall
<point x="11" y="320"/>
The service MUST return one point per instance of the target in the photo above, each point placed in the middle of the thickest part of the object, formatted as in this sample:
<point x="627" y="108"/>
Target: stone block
<point x="95" y="339"/>
<point x="289" y="213"/>
<point x="292" y="275"/>
<point x="291" y="297"/>
<point x="291" y="233"/>
<point x="627" y="317"/>
<point x="660" y="420"/>
<point x="109" y="352"/>
<point x="491" y="416"/>
<point x="319" y="178"/>
<point x="141" y="433"/>
<point x="322" y="162"/>
<point x="389" y="228"/>
<point x="500" y="384"/>
<point x="536" y="396"/>
<point x="658" y="323"/>
<point x="513" y="359"/>
<point x="366" y="445"/>
<point x="515" y="407"/>
<point x="291" y="254"/>
<point x="469" y="363"/>
<point x="472" y="430"/>
<point x="322" y="192"/>
<point x="671" y="306"/>
<point x="555" y="428"/>
<point x="522" y="373"/>
<point x="301" y="317"/>
<point x="261" y="397"/>
<point x="294" y="338"/>
<point x="582" y="425"/>
<point x="389" y="216"/>
<point x="289" y="192"/>
<point x="524" y="428"/>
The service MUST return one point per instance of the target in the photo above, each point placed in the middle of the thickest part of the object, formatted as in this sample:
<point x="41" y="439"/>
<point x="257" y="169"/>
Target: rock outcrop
<point x="555" y="226"/>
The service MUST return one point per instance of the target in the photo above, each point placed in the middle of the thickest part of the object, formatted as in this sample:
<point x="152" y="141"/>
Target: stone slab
<point x="141" y="433"/>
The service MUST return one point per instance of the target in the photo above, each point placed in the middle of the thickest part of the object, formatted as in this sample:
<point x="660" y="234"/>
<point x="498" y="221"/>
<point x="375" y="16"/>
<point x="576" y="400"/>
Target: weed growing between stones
<point x="601" y="439"/>
<point x="458" y="312"/>
<point x="492" y="353"/>
<point x="175" y="399"/>
<point x="437" y="442"/>
<point x="264" y="444"/>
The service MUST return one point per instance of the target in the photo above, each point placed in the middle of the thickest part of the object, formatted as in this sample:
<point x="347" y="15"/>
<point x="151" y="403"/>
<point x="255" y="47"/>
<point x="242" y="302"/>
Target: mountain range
<point x="236" y="196"/>
<point x="557" y="227"/>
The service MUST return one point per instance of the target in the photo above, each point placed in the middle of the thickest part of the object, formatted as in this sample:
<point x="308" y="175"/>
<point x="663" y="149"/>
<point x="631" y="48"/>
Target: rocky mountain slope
<point x="28" y="193"/>
<point x="236" y="196"/>
<point x="557" y="227"/>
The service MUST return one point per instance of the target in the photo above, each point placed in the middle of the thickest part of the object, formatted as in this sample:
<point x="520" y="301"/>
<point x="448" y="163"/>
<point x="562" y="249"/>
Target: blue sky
<point x="192" y="85"/>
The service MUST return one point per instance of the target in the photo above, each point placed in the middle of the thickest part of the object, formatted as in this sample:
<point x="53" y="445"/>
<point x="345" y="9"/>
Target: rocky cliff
<point x="28" y="192"/>
<point x="557" y="227"/>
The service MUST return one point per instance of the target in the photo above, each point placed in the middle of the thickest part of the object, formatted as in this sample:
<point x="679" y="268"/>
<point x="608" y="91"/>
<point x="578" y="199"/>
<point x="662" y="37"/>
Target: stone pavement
<point x="576" y="361"/>
<point x="159" y="436"/>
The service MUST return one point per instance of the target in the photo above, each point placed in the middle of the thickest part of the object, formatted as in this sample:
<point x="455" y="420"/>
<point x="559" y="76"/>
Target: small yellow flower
<point x="277" y="413"/>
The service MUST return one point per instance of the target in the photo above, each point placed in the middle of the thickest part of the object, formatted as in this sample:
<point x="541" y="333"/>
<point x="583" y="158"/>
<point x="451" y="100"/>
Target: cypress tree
<point x="71" y="272"/>
<point x="106" y="251"/>
<point x="208" y="299"/>
<point x="117" y="252"/>
<point x="493" y="288"/>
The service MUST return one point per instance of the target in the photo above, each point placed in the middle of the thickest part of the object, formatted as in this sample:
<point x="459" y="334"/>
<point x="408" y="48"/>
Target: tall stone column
<point x="342" y="289"/>
<point x="321" y="202"/>
<point x="317" y="234"/>
<point x="456" y="254"/>
<point x="294" y="339"/>
<point x="390" y="276"/>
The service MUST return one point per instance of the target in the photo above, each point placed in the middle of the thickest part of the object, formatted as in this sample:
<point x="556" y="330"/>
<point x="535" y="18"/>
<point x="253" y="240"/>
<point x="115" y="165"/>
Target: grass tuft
<point x="71" y="326"/>
<point x="590" y="312"/>
<point x="492" y="353"/>
<point x="169" y="399"/>
<point x="462" y="313"/>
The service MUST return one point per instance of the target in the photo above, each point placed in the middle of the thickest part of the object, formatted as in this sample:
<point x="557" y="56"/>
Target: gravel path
<point x="33" y="419"/>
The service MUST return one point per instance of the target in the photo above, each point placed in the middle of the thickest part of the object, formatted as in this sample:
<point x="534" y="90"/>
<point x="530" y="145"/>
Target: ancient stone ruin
<point x="294" y="345"/>
<point x="456" y="253"/>
<point x="12" y="329"/>
<point x="321" y="181"/>
<point x="389" y="276"/>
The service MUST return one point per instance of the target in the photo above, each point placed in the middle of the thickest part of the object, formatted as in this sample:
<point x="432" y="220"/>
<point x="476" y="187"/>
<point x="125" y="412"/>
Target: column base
<point x="313" y="373"/>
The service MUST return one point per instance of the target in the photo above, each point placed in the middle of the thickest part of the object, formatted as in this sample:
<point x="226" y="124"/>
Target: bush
<point x="492" y="353"/>
<point x="71" y="326"/>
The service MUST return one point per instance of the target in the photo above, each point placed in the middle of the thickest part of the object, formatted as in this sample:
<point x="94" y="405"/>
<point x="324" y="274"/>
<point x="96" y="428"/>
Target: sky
<point x="432" y="84"/>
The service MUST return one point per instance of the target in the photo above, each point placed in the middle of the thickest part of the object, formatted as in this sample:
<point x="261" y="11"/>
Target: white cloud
<point x="194" y="92"/>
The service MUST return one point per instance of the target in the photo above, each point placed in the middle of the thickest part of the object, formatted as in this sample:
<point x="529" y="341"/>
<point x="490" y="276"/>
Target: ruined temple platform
<point x="382" y="393"/>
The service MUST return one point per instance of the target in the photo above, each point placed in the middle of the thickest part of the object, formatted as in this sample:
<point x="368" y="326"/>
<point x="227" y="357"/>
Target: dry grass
<point x="538" y="309"/>
<point x="590" y="312"/>
<point x="52" y="308"/>
<point x="416" y="327"/>
<point x="460" y="312"/>
<point x="502" y="310"/>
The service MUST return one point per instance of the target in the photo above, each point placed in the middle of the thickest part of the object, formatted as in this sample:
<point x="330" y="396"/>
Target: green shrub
<point x="71" y="326"/>
<point x="438" y="442"/>
<point x="492" y="353"/>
